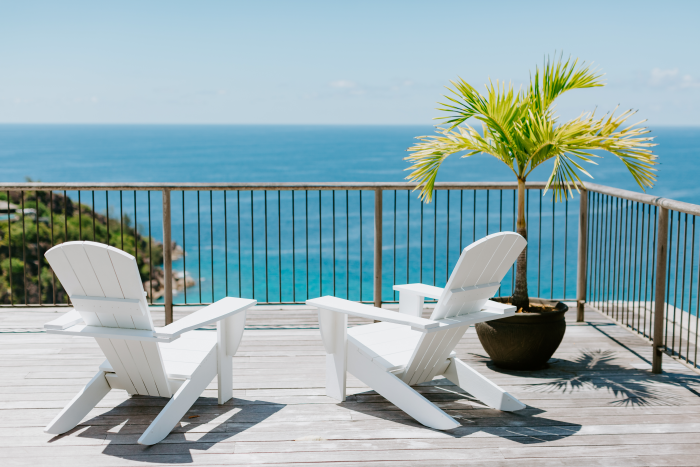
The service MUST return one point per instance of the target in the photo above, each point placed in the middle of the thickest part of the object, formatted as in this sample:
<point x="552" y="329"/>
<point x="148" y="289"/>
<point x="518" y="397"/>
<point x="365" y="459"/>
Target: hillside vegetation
<point x="59" y="219"/>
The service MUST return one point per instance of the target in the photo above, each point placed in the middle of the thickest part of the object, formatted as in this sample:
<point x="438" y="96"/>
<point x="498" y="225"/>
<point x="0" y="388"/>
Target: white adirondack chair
<point x="406" y="349"/>
<point x="173" y="361"/>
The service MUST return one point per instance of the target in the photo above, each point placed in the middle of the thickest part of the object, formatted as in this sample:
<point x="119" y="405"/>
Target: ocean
<point x="288" y="153"/>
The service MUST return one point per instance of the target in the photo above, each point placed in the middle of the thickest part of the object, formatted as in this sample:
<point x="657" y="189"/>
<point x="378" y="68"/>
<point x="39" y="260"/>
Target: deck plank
<point x="597" y="404"/>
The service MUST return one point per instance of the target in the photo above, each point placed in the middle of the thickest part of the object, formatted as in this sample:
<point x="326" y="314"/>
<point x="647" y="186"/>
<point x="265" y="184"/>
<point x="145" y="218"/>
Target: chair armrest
<point x="66" y="320"/>
<point x="422" y="290"/>
<point x="98" y="332"/>
<point x="218" y="311"/>
<point x="367" y="311"/>
<point x="495" y="307"/>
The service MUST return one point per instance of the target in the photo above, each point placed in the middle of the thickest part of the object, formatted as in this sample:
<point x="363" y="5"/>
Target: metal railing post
<point x="378" y="247"/>
<point x="167" y="259"/>
<point x="582" y="266"/>
<point x="660" y="290"/>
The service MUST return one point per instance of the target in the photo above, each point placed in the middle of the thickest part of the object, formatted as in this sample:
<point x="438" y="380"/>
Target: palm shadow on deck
<point x="202" y="427"/>
<point x="594" y="370"/>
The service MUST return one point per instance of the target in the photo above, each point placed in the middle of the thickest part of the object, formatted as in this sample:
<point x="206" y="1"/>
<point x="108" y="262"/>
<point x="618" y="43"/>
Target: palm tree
<point x="522" y="130"/>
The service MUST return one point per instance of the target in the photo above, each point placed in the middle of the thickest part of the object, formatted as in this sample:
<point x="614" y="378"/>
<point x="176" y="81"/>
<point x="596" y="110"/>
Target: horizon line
<point x="262" y="124"/>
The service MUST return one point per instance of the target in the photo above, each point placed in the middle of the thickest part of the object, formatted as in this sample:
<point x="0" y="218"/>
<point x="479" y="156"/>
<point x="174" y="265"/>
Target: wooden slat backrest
<point x="475" y="279"/>
<point x="94" y="270"/>
<point x="478" y="274"/>
<point x="431" y="351"/>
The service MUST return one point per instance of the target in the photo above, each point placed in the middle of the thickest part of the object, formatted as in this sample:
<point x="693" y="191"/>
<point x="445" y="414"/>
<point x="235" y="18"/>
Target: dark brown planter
<point x="524" y="341"/>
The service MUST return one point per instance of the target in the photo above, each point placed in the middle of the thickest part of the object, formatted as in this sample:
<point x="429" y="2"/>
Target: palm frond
<point x="521" y="130"/>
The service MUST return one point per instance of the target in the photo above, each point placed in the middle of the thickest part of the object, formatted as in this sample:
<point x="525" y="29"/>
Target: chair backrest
<point x="476" y="278"/>
<point x="105" y="288"/>
<point x="478" y="274"/>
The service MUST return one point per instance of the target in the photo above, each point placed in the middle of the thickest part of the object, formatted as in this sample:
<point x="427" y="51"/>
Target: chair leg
<point x="481" y="387"/>
<point x="225" y="378"/>
<point x="181" y="402"/>
<point x="80" y="406"/>
<point x="399" y="393"/>
<point x="333" y="328"/>
<point x="228" y="337"/>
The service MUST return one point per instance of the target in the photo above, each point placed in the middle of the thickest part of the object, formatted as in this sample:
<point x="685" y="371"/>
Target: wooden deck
<point x="597" y="405"/>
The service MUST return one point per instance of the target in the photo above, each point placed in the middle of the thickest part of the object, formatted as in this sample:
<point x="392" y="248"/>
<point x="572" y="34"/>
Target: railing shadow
<point x="205" y="425"/>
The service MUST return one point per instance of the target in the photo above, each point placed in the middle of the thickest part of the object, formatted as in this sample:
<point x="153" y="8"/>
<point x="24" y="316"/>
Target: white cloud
<point x="661" y="77"/>
<point x="672" y="79"/>
<point x="343" y="84"/>
<point x="688" y="82"/>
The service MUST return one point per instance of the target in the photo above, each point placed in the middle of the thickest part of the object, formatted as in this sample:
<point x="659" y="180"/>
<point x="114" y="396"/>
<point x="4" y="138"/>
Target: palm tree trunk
<point x="520" y="297"/>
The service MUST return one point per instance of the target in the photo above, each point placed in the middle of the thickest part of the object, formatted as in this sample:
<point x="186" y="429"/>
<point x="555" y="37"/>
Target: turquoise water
<point x="115" y="153"/>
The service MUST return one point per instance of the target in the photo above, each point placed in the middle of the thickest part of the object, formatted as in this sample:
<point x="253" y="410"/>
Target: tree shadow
<point x="594" y="370"/>
<point x="202" y="427"/>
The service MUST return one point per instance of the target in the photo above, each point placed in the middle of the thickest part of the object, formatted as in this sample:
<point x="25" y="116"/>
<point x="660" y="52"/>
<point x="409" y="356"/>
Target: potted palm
<point x="522" y="130"/>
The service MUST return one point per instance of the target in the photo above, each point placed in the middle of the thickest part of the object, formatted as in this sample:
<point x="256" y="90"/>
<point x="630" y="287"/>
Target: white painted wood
<point x="208" y="315"/>
<point x="85" y="271"/>
<point x="368" y="311"/>
<point x="183" y="356"/>
<point x="82" y="267"/>
<point x="326" y="321"/>
<point x="114" y="381"/>
<point x="136" y="350"/>
<point x="127" y="271"/>
<point x="388" y="345"/>
<point x="105" y="287"/>
<point x="501" y="308"/>
<point x="483" y="263"/>
<point x="224" y="363"/>
<point x="405" y="349"/>
<point x="446" y="350"/>
<point x="66" y="320"/>
<point x="419" y="353"/>
<point x="436" y="353"/>
<point x="83" y="330"/>
<point x="411" y="304"/>
<point x="120" y="306"/>
<point x="181" y="402"/>
<point x="334" y="331"/>
<point x="64" y="271"/>
<point x="127" y="359"/>
<point x="80" y="406"/>
<point x="483" y="288"/>
<point x="155" y="361"/>
<point x="398" y="393"/>
<point x="110" y="352"/>
<point x="423" y="290"/>
<point x="235" y="325"/>
<point x="116" y="272"/>
<point x="510" y="249"/>
<point x="480" y="387"/>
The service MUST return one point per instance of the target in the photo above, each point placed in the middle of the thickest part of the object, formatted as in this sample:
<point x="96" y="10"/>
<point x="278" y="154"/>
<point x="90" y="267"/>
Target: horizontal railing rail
<point x="31" y="186"/>
<point x="282" y="243"/>
<point x="672" y="204"/>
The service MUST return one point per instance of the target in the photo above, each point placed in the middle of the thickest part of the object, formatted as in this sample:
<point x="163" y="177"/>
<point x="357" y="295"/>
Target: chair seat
<point x="388" y="345"/>
<point x="182" y="356"/>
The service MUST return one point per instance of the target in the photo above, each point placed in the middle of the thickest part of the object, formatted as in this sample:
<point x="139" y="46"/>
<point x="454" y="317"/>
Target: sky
<point x="321" y="62"/>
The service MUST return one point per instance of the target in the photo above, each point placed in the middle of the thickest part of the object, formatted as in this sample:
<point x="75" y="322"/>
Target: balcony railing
<point x="282" y="243"/>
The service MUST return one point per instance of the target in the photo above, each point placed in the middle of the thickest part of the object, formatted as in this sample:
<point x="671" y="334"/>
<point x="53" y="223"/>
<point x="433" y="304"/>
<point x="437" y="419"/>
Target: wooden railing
<point x="605" y="219"/>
